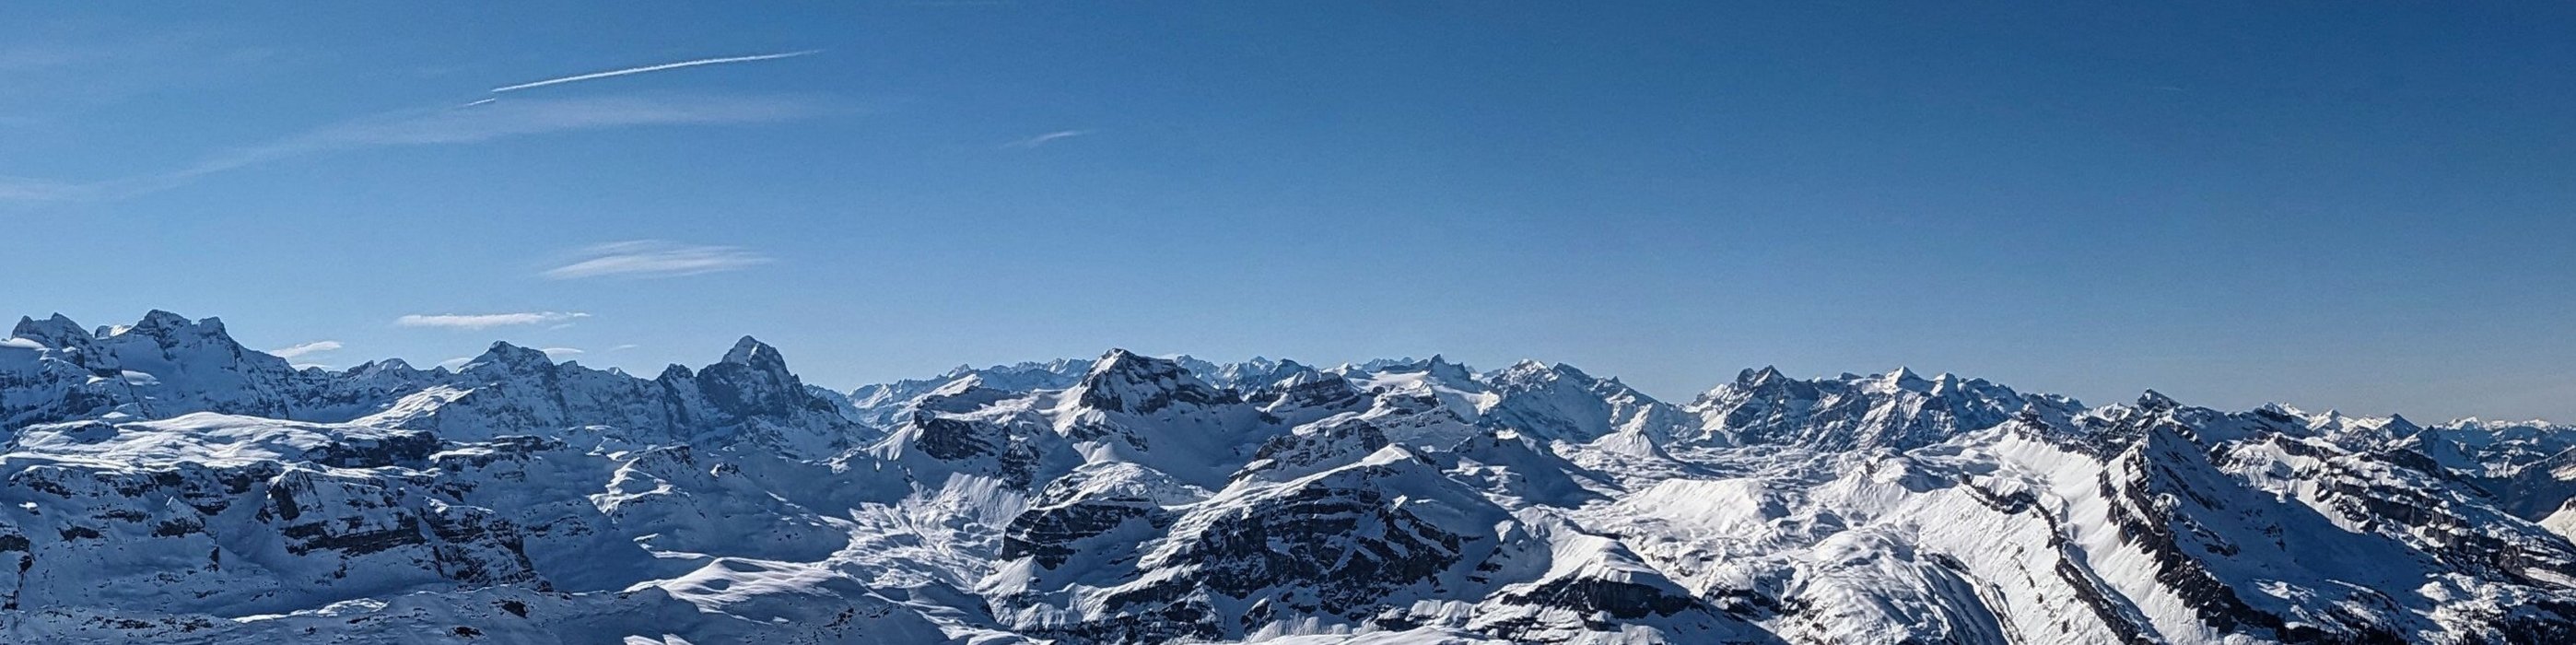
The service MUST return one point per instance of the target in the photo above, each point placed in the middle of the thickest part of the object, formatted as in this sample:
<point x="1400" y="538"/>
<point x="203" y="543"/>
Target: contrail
<point x="653" y="68"/>
<point x="1043" y="139"/>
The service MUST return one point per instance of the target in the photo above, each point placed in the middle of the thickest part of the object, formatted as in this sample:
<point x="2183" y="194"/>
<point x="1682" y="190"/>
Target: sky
<point x="2366" y="207"/>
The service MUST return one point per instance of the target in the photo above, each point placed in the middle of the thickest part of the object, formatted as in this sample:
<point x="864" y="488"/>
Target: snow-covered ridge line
<point x="160" y="482"/>
<point x="872" y="402"/>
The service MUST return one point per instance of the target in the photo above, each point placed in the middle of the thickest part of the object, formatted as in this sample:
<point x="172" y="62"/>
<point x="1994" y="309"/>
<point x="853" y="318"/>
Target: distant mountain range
<point x="161" y="483"/>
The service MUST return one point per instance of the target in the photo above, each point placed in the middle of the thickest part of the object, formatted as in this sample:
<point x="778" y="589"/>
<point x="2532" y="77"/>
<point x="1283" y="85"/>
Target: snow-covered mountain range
<point x="161" y="483"/>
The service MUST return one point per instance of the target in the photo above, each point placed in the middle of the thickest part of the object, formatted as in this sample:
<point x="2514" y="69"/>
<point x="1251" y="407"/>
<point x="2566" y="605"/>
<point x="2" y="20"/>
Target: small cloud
<point x="624" y="347"/>
<point x="559" y="352"/>
<point x="655" y="259"/>
<point x="1044" y="139"/>
<point x="486" y="321"/>
<point x="457" y="362"/>
<point x="299" y="350"/>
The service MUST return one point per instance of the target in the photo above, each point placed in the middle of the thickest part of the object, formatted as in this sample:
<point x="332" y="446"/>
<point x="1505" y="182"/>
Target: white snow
<point x="159" y="483"/>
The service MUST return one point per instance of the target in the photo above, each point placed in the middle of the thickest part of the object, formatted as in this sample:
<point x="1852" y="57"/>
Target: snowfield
<point x="159" y="483"/>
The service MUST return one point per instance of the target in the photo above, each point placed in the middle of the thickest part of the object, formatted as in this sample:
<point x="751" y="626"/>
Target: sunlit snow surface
<point x="160" y="483"/>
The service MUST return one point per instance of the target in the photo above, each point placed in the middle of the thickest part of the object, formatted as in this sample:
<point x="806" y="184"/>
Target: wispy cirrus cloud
<point x="655" y="259"/>
<point x="559" y="352"/>
<point x="30" y="189"/>
<point x="36" y="58"/>
<point x="440" y="126"/>
<point x="487" y="321"/>
<point x="64" y="67"/>
<point x="447" y="126"/>
<point x="301" y="349"/>
<point x="1043" y="139"/>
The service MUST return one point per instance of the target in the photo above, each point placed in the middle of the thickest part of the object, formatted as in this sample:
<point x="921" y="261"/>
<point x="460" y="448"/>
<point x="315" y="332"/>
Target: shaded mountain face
<point x="163" y="365"/>
<point x="160" y="483"/>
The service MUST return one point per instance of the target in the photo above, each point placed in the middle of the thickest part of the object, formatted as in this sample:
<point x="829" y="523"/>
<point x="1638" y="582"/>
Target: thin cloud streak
<point x="655" y="259"/>
<point x="486" y="321"/>
<point x="1043" y="139"/>
<point x="513" y="119"/>
<point x="28" y="189"/>
<point x="652" y="68"/>
<point x="301" y="349"/>
<point x="442" y="126"/>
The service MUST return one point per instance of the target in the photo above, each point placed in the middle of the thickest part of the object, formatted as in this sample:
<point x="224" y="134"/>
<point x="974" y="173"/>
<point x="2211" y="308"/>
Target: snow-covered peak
<point x="164" y="324"/>
<point x="1897" y="409"/>
<point x="885" y="404"/>
<point x="2483" y="425"/>
<point x="2113" y="424"/>
<point x="505" y="358"/>
<point x="1560" y="402"/>
<point x="381" y="366"/>
<point x="58" y="332"/>
<point x="1522" y="367"/>
<point x="750" y="351"/>
<point x="1439" y="367"/>
<point x="1437" y="371"/>
<point x="1753" y="378"/>
<point x="2346" y="428"/>
<point x="1378" y="364"/>
<point x="1246" y="375"/>
<point x="181" y="340"/>
<point x="165" y="365"/>
<point x="2154" y="400"/>
<point x="2497" y="448"/>
<point x="753" y="375"/>
<point x="1124" y="381"/>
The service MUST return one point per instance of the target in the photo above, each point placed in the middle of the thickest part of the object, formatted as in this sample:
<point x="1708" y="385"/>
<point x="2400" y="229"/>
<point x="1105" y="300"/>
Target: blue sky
<point x="2357" y="207"/>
